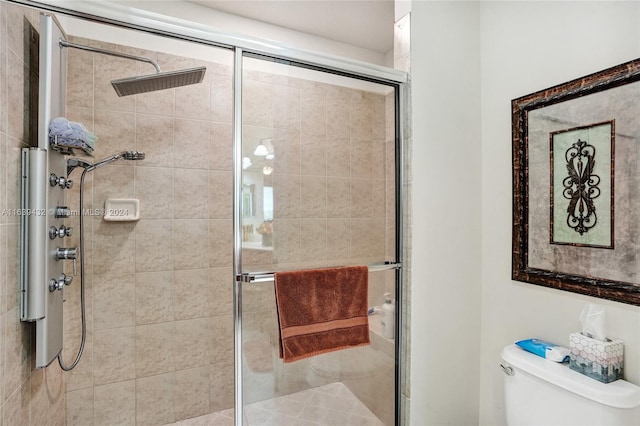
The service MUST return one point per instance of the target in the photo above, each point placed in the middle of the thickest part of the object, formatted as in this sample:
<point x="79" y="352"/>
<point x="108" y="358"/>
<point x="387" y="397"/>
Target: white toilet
<point x="541" y="392"/>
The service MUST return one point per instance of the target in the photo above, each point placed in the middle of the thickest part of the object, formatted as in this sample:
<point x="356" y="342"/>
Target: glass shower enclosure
<point x="318" y="190"/>
<point x="279" y="161"/>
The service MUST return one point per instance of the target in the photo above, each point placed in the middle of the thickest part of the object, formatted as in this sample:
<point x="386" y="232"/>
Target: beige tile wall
<point x="27" y="396"/>
<point x="333" y="178"/>
<point x="159" y="291"/>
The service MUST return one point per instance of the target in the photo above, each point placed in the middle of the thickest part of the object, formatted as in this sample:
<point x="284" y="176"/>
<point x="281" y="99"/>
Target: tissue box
<point x="599" y="360"/>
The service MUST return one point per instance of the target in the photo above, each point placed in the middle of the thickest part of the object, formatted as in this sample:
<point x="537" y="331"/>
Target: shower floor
<point x="331" y="404"/>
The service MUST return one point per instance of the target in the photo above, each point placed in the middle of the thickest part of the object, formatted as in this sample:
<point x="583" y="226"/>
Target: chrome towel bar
<point x="259" y="277"/>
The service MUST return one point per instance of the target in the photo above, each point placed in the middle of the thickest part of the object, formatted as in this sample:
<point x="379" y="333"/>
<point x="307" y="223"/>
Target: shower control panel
<point x="62" y="182"/>
<point x="58" y="284"/>
<point x="44" y="189"/>
<point x="61" y="232"/>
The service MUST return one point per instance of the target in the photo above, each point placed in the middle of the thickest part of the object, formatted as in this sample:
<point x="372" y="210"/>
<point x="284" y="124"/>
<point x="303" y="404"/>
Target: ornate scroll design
<point x="581" y="186"/>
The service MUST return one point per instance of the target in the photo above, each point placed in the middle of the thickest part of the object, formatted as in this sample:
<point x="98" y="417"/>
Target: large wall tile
<point x="221" y="389"/>
<point x="116" y="132"/>
<point x="313" y="151"/>
<point x="338" y="112"/>
<point x="3" y="69"/>
<point x="313" y="239"/>
<point x="114" y="355"/>
<point x="154" y="349"/>
<point x="113" y="301"/>
<point x="220" y="299"/>
<point x="106" y="69"/>
<point x="361" y="198"/>
<point x="16" y="406"/>
<point x="80" y="73"/>
<point x="113" y="181"/>
<point x="222" y="338"/>
<point x="286" y="107"/>
<point x="220" y="195"/>
<point x="154" y="136"/>
<point x="286" y="240"/>
<point x="2" y="356"/>
<point x="48" y="401"/>
<point x="338" y="241"/>
<point x="193" y="143"/>
<point x="161" y="102"/>
<point x="338" y="197"/>
<point x="16" y="352"/>
<point x="191" y="392"/>
<point x="190" y="244"/>
<point x="3" y="269"/>
<point x="257" y="103"/>
<point x="361" y="158"/>
<point x="4" y="163"/>
<point x="154" y="297"/>
<point x="81" y="377"/>
<point x="115" y="404"/>
<point x="154" y="245"/>
<point x="286" y="194"/>
<point x="220" y="156"/>
<point x="193" y="293"/>
<point x="80" y="407"/>
<point x="18" y="103"/>
<point x="286" y="146"/>
<point x="114" y="247"/>
<point x="313" y="196"/>
<point x="194" y="342"/>
<point x="72" y="306"/>
<point x="220" y="243"/>
<point x="361" y="115"/>
<point x="194" y="101"/>
<point x="154" y="400"/>
<point x="338" y="157"/>
<point x="154" y="188"/>
<point x="221" y="98"/>
<point x="14" y="181"/>
<point x="191" y="194"/>
<point x="313" y="111"/>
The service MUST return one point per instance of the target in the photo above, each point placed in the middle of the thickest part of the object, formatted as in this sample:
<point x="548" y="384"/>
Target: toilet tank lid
<point x="619" y="394"/>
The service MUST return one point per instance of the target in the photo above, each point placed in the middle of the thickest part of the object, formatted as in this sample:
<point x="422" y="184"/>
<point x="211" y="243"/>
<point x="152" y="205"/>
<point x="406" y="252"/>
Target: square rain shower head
<point x="159" y="81"/>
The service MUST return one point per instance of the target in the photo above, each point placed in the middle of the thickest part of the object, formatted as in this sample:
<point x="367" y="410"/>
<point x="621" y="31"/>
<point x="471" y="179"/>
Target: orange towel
<point x="321" y="310"/>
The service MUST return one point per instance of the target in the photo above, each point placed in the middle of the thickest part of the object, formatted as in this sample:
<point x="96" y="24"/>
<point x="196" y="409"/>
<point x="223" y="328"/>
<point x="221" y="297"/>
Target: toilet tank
<point x="542" y="392"/>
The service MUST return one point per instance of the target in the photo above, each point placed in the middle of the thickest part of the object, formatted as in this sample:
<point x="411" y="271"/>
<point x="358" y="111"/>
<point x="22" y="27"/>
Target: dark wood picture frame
<point x="580" y="279"/>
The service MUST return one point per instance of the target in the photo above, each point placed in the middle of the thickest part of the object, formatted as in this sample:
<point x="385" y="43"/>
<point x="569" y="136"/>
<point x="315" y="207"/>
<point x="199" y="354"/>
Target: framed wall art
<point x="576" y="185"/>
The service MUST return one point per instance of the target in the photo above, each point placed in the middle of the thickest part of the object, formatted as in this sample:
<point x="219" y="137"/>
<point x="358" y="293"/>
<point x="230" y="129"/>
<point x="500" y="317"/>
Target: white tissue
<point x="593" y="322"/>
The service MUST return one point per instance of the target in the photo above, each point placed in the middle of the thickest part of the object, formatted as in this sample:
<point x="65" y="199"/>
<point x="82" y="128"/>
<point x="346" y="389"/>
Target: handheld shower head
<point x="132" y="155"/>
<point x="72" y="163"/>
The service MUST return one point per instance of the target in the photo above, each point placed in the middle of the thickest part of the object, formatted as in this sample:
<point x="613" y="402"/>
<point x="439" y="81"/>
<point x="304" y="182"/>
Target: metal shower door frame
<point x="400" y="102"/>
<point x="153" y="23"/>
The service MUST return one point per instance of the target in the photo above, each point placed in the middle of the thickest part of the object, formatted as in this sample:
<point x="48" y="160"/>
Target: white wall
<point x="525" y="47"/>
<point x="446" y="202"/>
<point x="461" y="149"/>
<point x="234" y="24"/>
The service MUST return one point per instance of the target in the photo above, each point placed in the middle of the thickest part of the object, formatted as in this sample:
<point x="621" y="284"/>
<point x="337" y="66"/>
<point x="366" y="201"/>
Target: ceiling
<point x="363" y="23"/>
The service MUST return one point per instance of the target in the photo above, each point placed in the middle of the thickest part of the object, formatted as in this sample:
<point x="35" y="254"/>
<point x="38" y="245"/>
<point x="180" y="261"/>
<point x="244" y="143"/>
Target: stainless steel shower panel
<point x="39" y="270"/>
<point x="33" y="225"/>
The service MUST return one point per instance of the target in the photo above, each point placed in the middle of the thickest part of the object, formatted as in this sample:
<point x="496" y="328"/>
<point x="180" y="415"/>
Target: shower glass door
<point x="318" y="190"/>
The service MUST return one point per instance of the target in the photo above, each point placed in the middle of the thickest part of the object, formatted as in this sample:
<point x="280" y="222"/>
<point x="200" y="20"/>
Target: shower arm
<point x="65" y="43"/>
